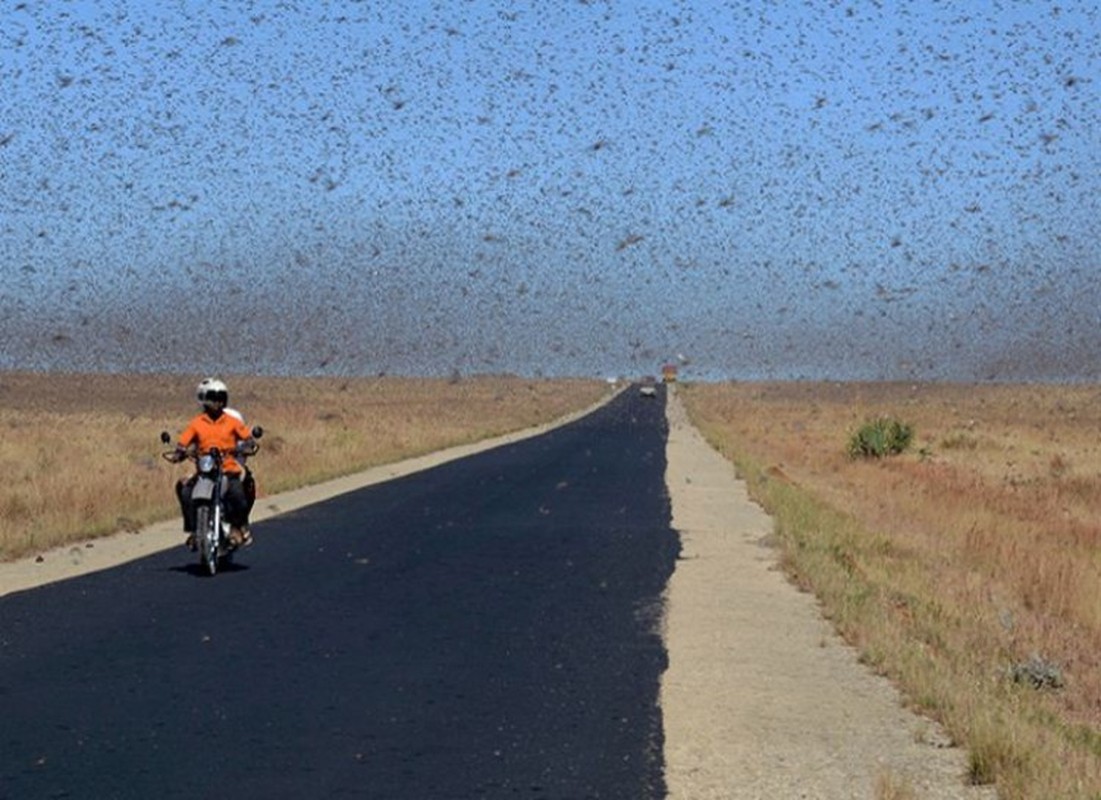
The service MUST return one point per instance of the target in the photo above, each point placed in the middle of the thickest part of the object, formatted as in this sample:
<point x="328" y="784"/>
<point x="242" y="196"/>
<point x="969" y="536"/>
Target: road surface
<point x="485" y="628"/>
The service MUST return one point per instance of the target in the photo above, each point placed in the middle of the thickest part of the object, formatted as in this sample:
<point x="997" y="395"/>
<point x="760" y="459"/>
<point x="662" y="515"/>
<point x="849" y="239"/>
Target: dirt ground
<point x="761" y="698"/>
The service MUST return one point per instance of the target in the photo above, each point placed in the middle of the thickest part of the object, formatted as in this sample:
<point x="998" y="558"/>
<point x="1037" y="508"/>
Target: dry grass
<point x="81" y="452"/>
<point x="889" y="786"/>
<point x="975" y="552"/>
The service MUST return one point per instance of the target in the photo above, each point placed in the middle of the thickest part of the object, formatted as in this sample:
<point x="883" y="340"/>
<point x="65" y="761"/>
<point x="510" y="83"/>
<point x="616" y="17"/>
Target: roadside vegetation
<point x="966" y="567"/>
<point x="81" y="455"/>
<point x="880" y="438"/>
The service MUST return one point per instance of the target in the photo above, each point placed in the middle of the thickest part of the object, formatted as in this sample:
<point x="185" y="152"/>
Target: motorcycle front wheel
<point x="208" y="539"/>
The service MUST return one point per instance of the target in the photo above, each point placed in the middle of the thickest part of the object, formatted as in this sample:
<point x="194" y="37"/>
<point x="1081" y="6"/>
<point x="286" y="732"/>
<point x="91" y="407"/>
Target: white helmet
<point x="211" y="391"/>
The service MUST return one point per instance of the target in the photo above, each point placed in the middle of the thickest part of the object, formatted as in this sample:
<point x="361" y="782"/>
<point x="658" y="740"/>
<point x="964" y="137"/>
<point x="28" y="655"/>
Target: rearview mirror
<point x="165" y="437"/>
<point x="257" y="432"/>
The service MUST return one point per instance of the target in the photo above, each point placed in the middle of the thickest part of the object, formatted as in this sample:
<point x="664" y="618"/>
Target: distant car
<point x="648" y="391"/>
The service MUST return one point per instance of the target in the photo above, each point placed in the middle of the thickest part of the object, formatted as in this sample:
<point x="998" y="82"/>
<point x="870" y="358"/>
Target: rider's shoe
<point x="246" y="536"/>
<point x="236" y="536"/>
<point x="191" y="543"/>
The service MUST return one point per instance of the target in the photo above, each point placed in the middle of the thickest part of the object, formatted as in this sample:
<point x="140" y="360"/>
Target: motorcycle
<point x="212" y="530"/>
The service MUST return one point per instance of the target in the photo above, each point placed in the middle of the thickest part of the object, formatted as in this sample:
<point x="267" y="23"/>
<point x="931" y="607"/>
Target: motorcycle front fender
<point x="203" y="489"/>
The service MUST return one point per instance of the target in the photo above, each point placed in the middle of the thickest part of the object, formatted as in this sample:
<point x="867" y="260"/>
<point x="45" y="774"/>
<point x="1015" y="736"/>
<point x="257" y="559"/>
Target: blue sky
<point x="757" y="189"/>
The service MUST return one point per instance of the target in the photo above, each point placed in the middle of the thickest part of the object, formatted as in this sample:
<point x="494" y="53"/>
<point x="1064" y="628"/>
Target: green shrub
<point x="880" y="437"/>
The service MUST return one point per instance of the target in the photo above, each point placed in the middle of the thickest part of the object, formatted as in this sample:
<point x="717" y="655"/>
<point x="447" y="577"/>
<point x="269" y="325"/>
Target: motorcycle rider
<point x="248" y="481"/>
<point x="214" y="427"/>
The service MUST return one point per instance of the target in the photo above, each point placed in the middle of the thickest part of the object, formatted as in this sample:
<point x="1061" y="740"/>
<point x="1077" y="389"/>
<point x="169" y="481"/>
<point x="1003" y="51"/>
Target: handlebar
<point x="244" y="449"/>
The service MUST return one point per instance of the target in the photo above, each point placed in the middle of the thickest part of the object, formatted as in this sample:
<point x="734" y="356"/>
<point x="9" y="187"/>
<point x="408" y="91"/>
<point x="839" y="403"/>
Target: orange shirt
<point x="223" y="433"/>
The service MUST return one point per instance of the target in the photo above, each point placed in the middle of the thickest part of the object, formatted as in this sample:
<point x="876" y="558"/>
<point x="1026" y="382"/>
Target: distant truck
<point x="669" y="373"/>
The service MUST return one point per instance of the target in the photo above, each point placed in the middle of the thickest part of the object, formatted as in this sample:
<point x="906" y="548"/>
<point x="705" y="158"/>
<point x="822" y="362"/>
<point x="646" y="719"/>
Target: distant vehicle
<point x="648" y="390"/>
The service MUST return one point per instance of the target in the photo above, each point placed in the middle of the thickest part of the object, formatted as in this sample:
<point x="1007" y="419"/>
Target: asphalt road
<point x="483" y="629"/>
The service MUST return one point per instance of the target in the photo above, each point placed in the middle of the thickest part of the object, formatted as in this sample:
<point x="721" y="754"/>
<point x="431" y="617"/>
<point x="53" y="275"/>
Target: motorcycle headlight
<point x="206" y="463"/>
